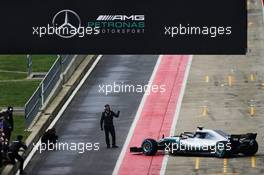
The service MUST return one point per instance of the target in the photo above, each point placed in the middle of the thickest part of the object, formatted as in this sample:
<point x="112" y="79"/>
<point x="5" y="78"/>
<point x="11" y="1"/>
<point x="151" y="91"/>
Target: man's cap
<point x="52" y="130"/>
<point x="9" y="108"/>
<point x="107" y="105"/>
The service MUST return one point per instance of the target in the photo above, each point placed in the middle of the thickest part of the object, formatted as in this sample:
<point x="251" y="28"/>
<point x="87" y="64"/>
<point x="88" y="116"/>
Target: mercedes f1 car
<point x="202" y="142"/>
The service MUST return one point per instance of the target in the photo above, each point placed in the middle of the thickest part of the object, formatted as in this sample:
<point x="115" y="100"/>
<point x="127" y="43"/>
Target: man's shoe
<point x="108" y="147"/>
<point x="22" y="173"/>
<point x="114" y="146"/>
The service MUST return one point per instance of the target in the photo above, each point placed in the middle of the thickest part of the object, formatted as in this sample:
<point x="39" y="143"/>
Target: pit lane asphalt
<point x="80" y="122"/>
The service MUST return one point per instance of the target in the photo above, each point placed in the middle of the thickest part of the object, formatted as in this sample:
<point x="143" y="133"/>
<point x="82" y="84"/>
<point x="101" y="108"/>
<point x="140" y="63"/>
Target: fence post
<point x="42" y="93"/>
<point x="61" y="68"/>
<point x="61" y="62"/>
<point x="29" y="64"/>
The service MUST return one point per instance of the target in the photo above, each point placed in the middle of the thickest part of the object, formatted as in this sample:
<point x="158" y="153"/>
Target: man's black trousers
<point x="110" y="129"/>
<point x="13" y="156"/>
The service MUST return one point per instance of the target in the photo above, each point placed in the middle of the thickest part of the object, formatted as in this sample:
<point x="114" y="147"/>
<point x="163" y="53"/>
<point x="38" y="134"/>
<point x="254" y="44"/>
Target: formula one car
<point x="202" y="142"/>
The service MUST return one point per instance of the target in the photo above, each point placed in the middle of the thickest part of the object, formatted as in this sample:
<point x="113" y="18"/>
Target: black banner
<point x="123" y="27"/>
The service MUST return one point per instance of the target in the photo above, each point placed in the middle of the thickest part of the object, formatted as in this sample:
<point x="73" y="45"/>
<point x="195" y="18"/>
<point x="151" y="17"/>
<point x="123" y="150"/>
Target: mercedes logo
<point x="67" y="23"/>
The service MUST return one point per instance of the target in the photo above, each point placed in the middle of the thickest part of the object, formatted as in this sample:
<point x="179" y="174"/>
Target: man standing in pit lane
<point x="107" y="120"/>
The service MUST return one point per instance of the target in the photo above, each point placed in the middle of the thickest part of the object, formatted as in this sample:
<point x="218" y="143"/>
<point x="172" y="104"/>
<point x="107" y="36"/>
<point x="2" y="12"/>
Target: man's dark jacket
<point x="107" y="118"/>
<point x="16" y="145"/>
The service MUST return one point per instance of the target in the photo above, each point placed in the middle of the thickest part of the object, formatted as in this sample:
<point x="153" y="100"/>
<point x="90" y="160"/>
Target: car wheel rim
<point x="220" y="153"/>
<point x="147" y="147"/>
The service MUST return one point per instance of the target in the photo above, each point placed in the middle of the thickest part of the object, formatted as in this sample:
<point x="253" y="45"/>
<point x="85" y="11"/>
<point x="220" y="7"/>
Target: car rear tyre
<point x="149" y="147"/>
<point x="253" y="149"/>
<point x="221" y="150"/>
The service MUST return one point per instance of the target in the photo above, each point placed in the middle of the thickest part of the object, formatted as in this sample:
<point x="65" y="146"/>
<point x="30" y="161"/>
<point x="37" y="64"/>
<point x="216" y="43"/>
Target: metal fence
<point x="41" y="95"/>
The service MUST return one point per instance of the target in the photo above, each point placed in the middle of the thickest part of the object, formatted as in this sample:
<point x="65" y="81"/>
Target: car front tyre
<point x="149" y="147"/>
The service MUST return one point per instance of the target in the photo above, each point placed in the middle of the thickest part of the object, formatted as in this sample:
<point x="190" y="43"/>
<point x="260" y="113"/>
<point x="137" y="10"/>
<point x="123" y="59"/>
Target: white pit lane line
<point x="133" y="126"/>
